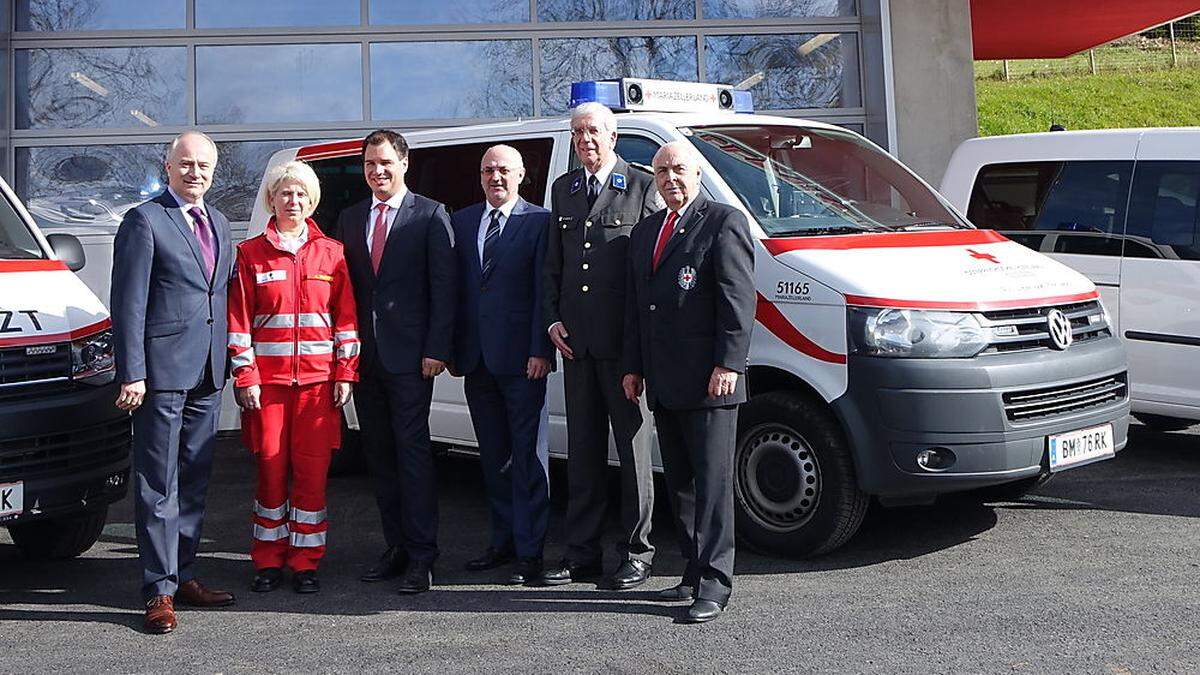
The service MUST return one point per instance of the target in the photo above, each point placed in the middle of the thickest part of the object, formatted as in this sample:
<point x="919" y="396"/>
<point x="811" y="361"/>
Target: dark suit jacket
<point x="407" y="312"/>
<point x="598" y="237"/>
<point x="169" y="319"/>
<point x="499" y="318"/>
<point x="696" y="311"/>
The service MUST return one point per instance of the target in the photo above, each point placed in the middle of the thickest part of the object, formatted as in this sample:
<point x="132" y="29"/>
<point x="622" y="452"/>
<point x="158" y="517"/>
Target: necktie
<point x="593" y="191"/>
<point x="378" y="237"/>
<point x="664" y="236"/>
<point x="489" y="240"/>
<point x="204" y="235"/>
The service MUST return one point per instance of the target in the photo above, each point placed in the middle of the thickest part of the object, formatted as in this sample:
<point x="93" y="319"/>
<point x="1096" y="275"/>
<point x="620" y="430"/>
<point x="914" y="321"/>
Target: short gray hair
<point x="298" y="171"/>
<point x="607" y="119"/>
<point x="194" y="132"/>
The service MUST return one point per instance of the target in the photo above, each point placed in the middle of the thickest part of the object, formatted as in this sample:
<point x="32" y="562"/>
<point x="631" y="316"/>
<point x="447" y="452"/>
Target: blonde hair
<point x="300" y="172"/>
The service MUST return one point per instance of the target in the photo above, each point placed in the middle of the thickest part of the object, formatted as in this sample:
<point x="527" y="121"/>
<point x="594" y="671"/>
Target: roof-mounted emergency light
<point x="637" y="94"/>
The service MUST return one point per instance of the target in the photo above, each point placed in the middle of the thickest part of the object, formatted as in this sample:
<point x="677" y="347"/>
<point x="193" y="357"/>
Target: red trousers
<point x="293" y="437"/>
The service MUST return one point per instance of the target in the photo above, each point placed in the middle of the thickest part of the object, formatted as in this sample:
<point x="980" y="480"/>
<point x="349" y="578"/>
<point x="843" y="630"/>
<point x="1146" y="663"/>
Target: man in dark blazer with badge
<point x="399" y="249"/>
<point x="502" y="349"/>
<point x="172" y="258"/>
<point x="593" y="209"/>
<point x="688" y="320"/>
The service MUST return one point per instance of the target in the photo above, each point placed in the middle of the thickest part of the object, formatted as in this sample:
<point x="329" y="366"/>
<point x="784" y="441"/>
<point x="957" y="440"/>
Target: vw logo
<point x="1060" y="329"/>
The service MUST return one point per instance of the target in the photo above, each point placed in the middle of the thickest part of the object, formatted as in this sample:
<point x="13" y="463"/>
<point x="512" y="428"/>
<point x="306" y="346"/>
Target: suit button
<point x="585" y="266"/>
<point x="653" y="307"/>
<point x="585" y="288"/>
<point x="210" y="322"/>
<point x="587" y="244"/>
<point x="588" y="224"/>
<point x="617" y="221"/>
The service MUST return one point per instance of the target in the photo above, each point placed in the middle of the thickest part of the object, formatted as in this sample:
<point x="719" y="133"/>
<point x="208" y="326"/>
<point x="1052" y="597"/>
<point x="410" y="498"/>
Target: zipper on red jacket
<point x="296" y="319"/>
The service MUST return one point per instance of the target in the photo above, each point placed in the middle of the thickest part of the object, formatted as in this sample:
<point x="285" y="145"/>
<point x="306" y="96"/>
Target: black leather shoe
<point x="391" y="564"/>
<point x="491" y="559"/>
<point x="677" y="593"/>
<point x="306" y="582"/>
<point x="630" y="574"/>
<point x="569" y="570"/>
<point x="417" y="578"/>
<point x="526" y="571"/>
<point x="266" y="580"/>
<point x="703" y="611"/>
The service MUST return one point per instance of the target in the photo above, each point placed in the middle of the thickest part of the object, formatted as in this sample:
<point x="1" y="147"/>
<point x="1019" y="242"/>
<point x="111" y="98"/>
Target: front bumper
<point x="70" y="450"/>
<point x="894" y="408"/>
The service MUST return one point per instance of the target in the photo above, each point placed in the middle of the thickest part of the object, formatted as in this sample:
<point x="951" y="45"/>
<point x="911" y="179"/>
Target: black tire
<point x="796" y="490"/>
<point x="1010" y="492"/>
<point x="59" y="538"/>
<point x="1164" y="423"/>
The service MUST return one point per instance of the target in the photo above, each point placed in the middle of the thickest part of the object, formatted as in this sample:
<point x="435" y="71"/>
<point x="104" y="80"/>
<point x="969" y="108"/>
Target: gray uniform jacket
<point x="586" y="251"/>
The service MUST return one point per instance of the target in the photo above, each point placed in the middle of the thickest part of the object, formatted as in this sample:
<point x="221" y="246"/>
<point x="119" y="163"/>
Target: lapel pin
<point x="618" y="181"/>
<point x="576" y="184"/>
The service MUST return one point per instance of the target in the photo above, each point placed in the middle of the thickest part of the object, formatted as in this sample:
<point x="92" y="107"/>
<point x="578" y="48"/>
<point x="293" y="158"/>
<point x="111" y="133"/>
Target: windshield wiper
<point x="819" y="231"/>
<point x="924" y="224"/>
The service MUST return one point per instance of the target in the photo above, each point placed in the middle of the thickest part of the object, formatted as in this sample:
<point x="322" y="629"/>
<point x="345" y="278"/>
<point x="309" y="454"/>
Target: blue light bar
<point x="604" y="92"/>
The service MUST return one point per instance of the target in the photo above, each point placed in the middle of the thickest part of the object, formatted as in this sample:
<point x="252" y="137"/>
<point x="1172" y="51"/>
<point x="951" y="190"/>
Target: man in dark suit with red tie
<point x="688" y="319"/>
<point x="399" y="248"/>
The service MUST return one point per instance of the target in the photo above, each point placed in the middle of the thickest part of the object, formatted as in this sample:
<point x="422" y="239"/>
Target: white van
<point x="64" y="445"/>
<point x="899" y="352"/>
<point x="1120" y="206"/>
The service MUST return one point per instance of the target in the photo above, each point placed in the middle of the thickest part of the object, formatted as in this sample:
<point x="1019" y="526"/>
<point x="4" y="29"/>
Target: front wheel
<point x="796" y="489"/>
<point x="59" y="538"/>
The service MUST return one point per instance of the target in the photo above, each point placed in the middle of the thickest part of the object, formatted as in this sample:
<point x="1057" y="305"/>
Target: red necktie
<point x="378" y="237"/>
<point x="664" y="235"/>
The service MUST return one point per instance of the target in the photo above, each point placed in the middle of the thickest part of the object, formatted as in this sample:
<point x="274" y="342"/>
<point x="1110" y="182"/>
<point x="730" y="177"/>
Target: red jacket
<point x="291" y="317"/>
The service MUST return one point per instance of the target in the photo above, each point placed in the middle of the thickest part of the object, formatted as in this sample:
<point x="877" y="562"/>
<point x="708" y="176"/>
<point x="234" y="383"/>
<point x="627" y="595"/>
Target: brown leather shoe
<point x="160" y="615"/>
<point x="194" y="594"/>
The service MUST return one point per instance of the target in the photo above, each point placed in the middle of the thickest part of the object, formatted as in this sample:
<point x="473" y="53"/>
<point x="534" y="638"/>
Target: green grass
<point x="1154" y="98"/>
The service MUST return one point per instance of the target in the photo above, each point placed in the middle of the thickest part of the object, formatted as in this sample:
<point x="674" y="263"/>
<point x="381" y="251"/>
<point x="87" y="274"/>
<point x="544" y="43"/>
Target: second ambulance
<point x="899" y="354"/>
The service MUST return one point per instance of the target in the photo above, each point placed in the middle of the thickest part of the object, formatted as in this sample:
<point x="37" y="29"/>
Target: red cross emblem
<point x="983" y="256"/>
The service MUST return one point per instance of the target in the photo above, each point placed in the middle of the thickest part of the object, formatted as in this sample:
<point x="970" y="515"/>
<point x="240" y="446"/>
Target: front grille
<point x="64" y="452"/>
<point x="1047" y="402"/>
<point x="25" y="372"/>
<point x="1013" y="330"/>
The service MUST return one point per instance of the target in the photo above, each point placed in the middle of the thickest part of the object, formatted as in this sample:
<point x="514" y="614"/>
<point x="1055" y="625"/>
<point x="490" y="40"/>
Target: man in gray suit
<point x="593" y="210"/>
<point x="171" y="264"/>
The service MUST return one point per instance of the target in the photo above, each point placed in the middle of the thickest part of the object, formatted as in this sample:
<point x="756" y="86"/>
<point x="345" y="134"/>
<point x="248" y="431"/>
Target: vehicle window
<point x="1088" y="200"/>
<point x="448" y="174"/>
<point x="1009" y="196"/>
<point x="1028" y="239"/>
<point x="16" y="241"/>
<point x="807" y="181"/>
<point x="637" y="149"/>
<point x="1163" y="211"/>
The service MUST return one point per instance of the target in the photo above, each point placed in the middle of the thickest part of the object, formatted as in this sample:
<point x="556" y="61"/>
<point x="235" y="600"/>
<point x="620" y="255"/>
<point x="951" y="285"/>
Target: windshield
<point x="804" y="181"/>
<point x="16" y="241"/>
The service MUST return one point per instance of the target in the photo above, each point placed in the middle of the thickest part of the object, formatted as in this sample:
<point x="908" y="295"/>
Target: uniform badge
<point x="687" y="277"/>
<point x="576" y="184"/>
<point x="618" y="181"/>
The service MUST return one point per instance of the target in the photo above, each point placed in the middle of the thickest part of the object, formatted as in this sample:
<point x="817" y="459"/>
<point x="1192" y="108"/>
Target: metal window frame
<point x="365" y="34"/>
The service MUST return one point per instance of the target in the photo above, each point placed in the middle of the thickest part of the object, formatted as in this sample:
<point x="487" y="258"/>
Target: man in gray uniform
<point x="593" y="208"/>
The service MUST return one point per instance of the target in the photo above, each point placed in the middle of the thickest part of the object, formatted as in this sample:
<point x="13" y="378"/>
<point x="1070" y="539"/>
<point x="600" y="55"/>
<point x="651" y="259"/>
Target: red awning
<point x="1044" y="29"/>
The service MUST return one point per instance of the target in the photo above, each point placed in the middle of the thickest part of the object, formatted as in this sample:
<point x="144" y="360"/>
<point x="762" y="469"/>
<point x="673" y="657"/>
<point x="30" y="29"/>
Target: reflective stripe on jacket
<point x="292" y="316"/>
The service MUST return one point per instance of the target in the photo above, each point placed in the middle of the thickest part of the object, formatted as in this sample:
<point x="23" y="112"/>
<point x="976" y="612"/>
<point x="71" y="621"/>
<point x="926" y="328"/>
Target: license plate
<point x="12" y="499"/>
<point x="1079" y="447"/>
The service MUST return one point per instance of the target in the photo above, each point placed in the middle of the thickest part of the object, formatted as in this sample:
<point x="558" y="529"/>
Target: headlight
<point x="914" y="333"/>
<point x="92" y="359"/>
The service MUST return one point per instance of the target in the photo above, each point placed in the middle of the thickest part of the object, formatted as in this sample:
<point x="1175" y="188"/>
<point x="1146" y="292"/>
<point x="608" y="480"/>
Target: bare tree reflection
<point x="80" y="15"/>
<point x="567" y="61"/>
<point x="794" y="76"/>
<point x="87" y="185"/>
<point x="755" y="9"/>
<point x="615" y="10"/>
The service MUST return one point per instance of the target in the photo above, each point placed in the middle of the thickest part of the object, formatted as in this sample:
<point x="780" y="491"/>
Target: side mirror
<point x="67" y="249"/>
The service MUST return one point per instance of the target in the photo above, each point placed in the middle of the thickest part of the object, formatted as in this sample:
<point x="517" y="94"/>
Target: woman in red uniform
<point x="293" y="345"/>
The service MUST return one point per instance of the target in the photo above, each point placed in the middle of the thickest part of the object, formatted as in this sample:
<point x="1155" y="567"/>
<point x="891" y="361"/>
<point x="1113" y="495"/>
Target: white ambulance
<point x="899" y="353"/>
<point x="64" y="445"/>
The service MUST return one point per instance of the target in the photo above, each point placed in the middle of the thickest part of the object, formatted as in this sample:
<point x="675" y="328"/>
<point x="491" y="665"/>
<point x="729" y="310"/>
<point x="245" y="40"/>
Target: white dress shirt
<point x="505" y="211"/>
<point x="601" y="175"/>
<point x="186" y="206"/>
<point x="389" y="216"/>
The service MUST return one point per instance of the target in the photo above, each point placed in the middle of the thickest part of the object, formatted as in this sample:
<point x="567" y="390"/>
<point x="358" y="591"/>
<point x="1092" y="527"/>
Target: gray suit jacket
<point x="584" y="284"/>
<point x="169" y="321"/>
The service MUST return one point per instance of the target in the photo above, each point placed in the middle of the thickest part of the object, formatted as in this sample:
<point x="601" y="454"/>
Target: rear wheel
<point x="794" y="479"/>
<point x="59" y="538"/>
<point x="1164" y="423"/>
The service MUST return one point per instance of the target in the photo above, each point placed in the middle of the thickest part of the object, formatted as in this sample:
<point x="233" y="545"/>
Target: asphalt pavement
<point x="1097" y="572"/>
